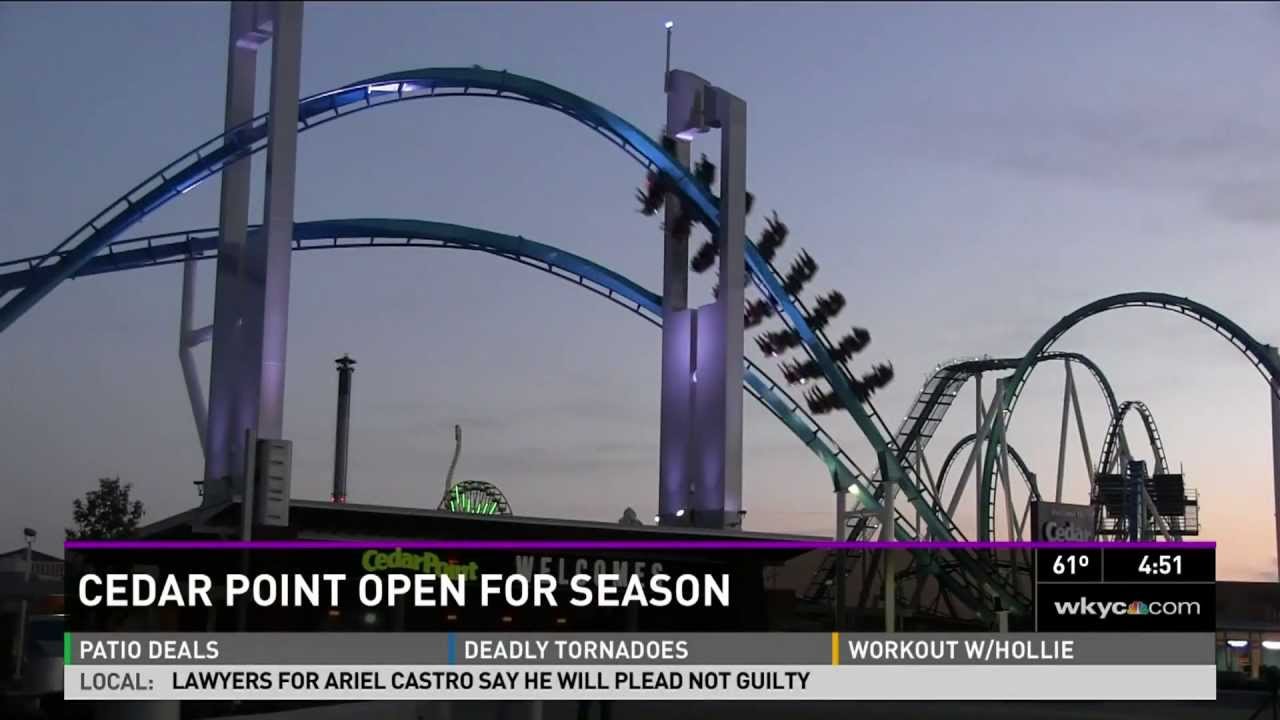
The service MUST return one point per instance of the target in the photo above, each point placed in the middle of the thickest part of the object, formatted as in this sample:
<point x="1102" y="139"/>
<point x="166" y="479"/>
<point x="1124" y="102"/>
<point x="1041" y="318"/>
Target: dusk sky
<point x="965" y="174"/>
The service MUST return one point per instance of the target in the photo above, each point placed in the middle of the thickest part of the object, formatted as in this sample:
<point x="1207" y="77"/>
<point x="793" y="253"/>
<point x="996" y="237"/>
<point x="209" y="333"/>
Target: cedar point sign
<point x="1060" y="522"/>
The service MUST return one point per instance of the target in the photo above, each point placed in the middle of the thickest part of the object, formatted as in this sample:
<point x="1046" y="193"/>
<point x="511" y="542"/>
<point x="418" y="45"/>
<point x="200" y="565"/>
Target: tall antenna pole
<point x="666" y="73"/>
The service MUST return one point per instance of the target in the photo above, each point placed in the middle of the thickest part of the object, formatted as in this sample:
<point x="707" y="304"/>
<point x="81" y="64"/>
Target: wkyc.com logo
<point x="1093" y="608"/>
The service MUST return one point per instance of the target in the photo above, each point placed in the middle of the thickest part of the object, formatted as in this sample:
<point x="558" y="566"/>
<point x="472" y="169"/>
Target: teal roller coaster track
<point x="96" y="248"/>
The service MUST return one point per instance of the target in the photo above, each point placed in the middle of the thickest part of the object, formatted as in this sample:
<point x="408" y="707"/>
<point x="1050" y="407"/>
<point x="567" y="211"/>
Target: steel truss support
<point x="1062" y="437"/>
<point x="889" y="480"/>
<point x="1084" y="437"/>
<point x="984" y="424"/>
<point x="188" y="338"/>
<point x="1012" y="519"/>
<point x="842" y="577"/>
<point x="936" y="480"/>
<point x="1157" y="519"/>
<point x="1070" y="407"/>
<point x="1028" y="477"/>
<point x="925" y="473"/>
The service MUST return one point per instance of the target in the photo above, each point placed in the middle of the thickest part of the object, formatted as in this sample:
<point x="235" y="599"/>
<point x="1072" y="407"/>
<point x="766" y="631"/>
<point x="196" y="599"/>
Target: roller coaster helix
<point x="972" y="578"/>
<point x="937" y="395"/>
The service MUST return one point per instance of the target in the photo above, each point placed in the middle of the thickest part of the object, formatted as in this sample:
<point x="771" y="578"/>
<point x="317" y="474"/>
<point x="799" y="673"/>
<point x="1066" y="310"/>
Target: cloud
<point x="1226" y="164"/>
<point x="577" y="411"/>
<point x="1154" y="145"/>
<point x="565" y="461"/>
<point x="1253" y="202"/>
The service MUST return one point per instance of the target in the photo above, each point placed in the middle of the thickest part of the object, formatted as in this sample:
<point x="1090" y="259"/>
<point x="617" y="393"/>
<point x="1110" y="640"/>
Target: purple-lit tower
<point x="251" y="296"/>
<point x="700" y="442"/>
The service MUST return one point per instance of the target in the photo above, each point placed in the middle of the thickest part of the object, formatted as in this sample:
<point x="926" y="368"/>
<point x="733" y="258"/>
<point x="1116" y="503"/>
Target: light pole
<point x="347" y="366"/>
<point x="666" y="81"/>
<point x="20" y="636"/>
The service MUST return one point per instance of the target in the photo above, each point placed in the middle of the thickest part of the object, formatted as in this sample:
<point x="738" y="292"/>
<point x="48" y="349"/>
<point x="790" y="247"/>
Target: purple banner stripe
<point x="606" y="545"/>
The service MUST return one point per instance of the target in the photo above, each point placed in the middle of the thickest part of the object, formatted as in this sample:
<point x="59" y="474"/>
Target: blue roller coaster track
<point x="82" y="252"/>
<point x="210" y="158"/>
<point x="169" y="248"/>
<point x="202" y="244"/>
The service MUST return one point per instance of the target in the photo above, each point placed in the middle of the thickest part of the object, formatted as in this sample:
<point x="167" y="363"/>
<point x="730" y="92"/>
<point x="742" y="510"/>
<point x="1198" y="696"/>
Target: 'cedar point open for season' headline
<point x="433" y="583"/>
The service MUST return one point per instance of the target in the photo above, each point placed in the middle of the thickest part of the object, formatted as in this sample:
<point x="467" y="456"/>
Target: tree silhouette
<point x="107" y="513"/>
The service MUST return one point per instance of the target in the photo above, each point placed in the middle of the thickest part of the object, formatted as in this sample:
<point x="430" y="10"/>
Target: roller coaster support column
<point x="712" y="335"/>
<point x="888" y="471"/>
<point x="1002" y="415"/>
<point x="251" y="303"/>
<point x="270" y="314"/>
<point x="1275" y="449"/>
<point x="1062" y="438"/>
<point x="982" y="426"/>
<point x="985" y="423"/>
<point x="1084" y="439"/>
<point x="222" y="443"/>
<point x="841" y="575"/>
<point x="188" y="338"/>
<point x="675" y="469"/>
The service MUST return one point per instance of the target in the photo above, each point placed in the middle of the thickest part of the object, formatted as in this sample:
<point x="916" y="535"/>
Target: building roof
<point x="498" y="523"/>
<point x="1248" y="605"/>
<point x="36" y="555"/>
<point x="322" y="520"/>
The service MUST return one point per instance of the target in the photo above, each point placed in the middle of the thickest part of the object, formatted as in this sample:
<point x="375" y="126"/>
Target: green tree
<point x="107" y="513"/>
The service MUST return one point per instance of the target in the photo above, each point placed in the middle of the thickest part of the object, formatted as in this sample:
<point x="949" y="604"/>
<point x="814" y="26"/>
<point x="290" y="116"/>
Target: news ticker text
<point x="522" y="666"/>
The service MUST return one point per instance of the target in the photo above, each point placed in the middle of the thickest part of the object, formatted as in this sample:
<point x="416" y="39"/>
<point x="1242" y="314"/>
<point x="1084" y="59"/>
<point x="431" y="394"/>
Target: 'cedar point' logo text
<point x="1090" y="608"/>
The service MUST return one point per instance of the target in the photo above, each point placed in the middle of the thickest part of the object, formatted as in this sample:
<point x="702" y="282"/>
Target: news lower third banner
<point x="688" y="666"/>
